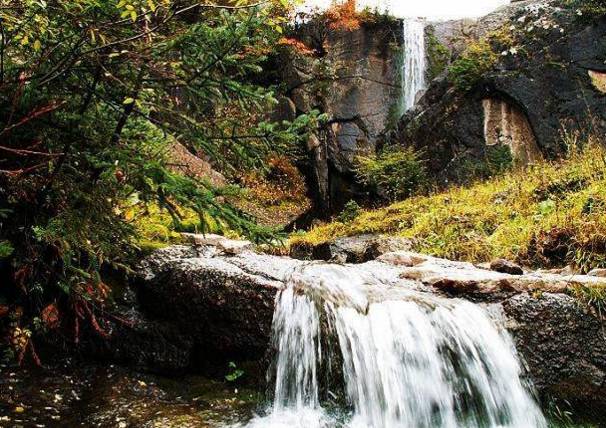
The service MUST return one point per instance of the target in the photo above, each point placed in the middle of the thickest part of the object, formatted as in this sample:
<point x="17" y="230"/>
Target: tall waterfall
<point x="413" y="62"/>
<point x="408" y="359"/>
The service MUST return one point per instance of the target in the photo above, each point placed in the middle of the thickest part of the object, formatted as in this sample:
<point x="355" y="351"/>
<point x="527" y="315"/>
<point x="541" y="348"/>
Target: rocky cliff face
<point x="353" y="77"/>
<point x="546" y="77"/>
<point x="546" y="74"/>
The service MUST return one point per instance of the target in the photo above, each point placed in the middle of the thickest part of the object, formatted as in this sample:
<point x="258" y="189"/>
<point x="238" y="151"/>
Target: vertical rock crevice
<point x="506" y="124"/>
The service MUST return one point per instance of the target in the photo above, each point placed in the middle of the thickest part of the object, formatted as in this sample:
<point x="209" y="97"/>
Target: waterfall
<point x="408" y="359"/>
<point x="413" y="62"/>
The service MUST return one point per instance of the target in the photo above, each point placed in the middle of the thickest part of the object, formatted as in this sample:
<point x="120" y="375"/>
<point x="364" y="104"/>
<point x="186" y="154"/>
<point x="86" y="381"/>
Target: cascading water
<point x="413" y="62"/>
<point x="408" y="359"/>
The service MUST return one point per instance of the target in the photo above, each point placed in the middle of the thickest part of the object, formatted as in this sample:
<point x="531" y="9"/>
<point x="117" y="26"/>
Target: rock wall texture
<point x="549" y="79"/>
<point x="354" y="80"/>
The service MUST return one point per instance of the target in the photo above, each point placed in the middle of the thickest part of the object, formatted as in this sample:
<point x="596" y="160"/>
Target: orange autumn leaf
<point x="298" y="45"/>
<point x="50" y="316"/>
<point x="343" y="16"/>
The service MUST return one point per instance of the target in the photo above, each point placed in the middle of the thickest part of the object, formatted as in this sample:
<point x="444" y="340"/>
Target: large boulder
<point x="224" y="303"/>
<point x="564" y="346"/>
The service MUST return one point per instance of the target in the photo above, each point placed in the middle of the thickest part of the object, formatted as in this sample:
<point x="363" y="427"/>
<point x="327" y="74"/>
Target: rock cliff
<point x="539" y="81"/>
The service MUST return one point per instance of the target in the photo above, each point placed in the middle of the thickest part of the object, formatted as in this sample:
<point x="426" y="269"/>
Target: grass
<point x="548" y="215"/>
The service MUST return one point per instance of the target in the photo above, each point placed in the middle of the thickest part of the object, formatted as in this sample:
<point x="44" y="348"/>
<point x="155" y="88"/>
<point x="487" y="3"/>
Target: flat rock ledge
<point x="223" y="304"/>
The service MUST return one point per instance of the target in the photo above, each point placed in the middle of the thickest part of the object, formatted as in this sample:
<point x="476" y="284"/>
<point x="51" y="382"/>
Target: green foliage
<point x="93" y="95"/>
<point x="477" y="60"/>
<point x="234" y="373"/>
<point x="395" y="173"/>
<point x="350" y="212"/>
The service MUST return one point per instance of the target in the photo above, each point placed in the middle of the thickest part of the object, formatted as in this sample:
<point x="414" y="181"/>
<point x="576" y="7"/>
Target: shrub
<point x="395" y="174"/>
<point x="470" y="67"/>
<point x="350" y="212"/>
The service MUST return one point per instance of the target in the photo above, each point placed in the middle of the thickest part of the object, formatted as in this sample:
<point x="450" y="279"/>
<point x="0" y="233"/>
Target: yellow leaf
<point x="37" y="45"/>
<point x="128" y="100"/>
<point x="133" y="15"/>
<point x="152" y="5"/>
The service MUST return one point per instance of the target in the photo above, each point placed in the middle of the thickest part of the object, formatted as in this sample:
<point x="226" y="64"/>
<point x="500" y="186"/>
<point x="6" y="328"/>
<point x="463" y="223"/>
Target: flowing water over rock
<point x="409" y="359"/>
<point x="414" y="62"/>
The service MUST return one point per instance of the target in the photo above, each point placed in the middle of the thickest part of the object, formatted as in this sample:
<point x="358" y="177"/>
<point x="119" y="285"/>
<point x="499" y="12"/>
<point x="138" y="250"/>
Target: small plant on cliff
<point x="394" y="174"/>
<point x="234" y="372"/>
<point x="343" y="16"/>
<point x="477" y="60"/>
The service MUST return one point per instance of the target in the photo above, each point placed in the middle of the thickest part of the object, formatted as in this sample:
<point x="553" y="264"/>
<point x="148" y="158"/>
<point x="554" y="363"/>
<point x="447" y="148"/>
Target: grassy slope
<point x="550" y="214"/>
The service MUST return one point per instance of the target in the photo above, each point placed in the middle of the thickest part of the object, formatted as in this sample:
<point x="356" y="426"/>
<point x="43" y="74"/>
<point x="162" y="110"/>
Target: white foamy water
<point x="409" y="359"/>
<point x="414" y="64"/>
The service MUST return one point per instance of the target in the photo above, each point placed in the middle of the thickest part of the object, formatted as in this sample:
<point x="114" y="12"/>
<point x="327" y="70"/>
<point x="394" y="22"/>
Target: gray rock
<point x="564" y="347"/>
<point x="354" y="249"/>
<point x="505" y="266"/>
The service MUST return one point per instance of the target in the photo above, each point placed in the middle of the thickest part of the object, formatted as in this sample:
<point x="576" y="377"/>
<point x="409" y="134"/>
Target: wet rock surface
<point x="564" y="345"/>
<point x="224" y="304"/>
